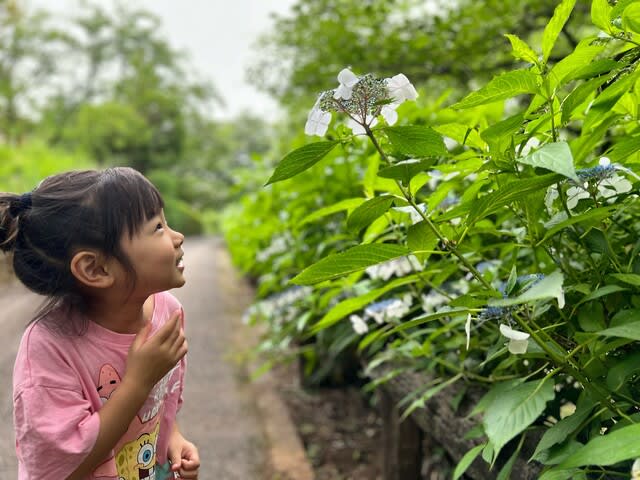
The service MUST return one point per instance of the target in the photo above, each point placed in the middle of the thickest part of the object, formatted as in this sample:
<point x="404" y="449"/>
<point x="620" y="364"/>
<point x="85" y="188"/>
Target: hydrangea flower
<point x="635" y="469"/>
<point x="359" y="325"/>
<point x="399" y="267"/>
<point x="603" y="177"/>
<point x="362" y="99"/>
<point x="518" y="341"/>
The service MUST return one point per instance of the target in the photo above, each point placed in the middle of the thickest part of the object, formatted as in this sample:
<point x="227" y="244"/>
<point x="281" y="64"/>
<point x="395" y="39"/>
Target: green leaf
<point x="506" y="85"/>
<point x="624" y="148"/>
<point x="618" y="375"/>
<point x="563" y="474"/>
<point x="601" y="292"/>
<point x="406" y="170"/>
<point x="573" y="64"/>
<point x="347" y="204"/>
<point x="366" y="213"/>
<point x="579" y="96"/>
<point x="600" y="14"/>
<point x="614" y="447"/>
<point x="300" y="160"/>
<point x="355" y="259"/>
<point x="416" y="141"/>
<point x="630" y="278"/>
<point x="556" y="157"/>
<point x="549" y="287"/>
<point x="508" y="194"/>
<point x="555" y="25"/>
<point x="514" y="410"/>
<point x="595" y="215"/>
<point x="467" y="460"/>
<point x="421" y="238"/>
<point x="631" y="17"/>
<point x="521" y="50"/>
<point x="628" y="330"/>
<point x="350" y="305"/>
<point x="561" y="430"/>
<point x="503" y="128"/>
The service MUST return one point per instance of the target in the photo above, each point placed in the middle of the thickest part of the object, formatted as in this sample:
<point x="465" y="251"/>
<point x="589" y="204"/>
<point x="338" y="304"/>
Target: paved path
<point x="219" y="413"/>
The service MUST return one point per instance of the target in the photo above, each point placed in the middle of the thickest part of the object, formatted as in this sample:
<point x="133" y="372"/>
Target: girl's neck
<point x="122" y="317"/>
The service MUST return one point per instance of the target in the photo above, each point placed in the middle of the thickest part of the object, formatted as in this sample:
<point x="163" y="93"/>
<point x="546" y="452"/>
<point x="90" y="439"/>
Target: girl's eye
<point x="159" y="226"/>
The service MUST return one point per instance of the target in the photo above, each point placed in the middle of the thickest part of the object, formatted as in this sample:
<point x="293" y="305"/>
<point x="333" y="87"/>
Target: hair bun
<point x="11" y="207"/>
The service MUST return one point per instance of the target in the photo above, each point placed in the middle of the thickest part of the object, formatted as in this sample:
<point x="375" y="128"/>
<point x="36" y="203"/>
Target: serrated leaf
<point x="631" y="17"/>
<point x="347" y="204"/>
<point x="555" y="26"/>
<point x="549" y="287"/>
<point x="579" y="95"/>
<point x="366" y="213"/>
<point x="628" y="330"/>
<point x="301" y="159"/>
<point x="405" y="171"/>
<point x="616" y="446"/>
<point x="561" y="430"/>
<point x="521" y="50"/>
<point x="503" y="128"/>
<point x="507" y="194"/>
<point x="355" y="259"/>
<point x="514" y="410"/>
<point x="421" y="239"/>
<point x="467" y="460"/>
<point x="618" y="375"/>
<point x="600" y="14"/>
<point x="506" y="85"/>
<point x="416" y="141"/>
<point x="556" y="157"/>
<point x="630" y="278"/>
<point x="595" y="215"/>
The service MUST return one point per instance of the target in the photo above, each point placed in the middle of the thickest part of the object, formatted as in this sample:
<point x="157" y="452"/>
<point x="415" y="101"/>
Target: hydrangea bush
<point x="492" y="242"/>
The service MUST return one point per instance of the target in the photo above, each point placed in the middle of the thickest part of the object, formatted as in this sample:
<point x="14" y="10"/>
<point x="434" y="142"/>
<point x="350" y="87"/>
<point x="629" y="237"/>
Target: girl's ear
<point x="91" y="269"/>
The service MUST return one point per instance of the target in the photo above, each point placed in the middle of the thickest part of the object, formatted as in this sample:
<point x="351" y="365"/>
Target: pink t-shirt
<point x="59" y="384"/>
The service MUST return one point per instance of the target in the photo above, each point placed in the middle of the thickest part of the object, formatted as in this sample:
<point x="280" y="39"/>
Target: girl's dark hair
<point x="65" y="213"/>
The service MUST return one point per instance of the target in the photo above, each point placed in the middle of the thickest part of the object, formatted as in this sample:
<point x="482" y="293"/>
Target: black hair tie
<point x="20" y="204"/>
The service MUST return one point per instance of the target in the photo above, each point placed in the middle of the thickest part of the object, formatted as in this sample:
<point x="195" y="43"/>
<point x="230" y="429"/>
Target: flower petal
<point x="347" y="78"/>
<point x="401" y="89"/>
<point x="512" y="334"/>
<point x="358" y="324"/>
<point x="317" y="122"/>
<point x="518" y="347"/>
<point x="389" y="113"/>
<point x="467" y="329"/>
<point x="343" y="92"/>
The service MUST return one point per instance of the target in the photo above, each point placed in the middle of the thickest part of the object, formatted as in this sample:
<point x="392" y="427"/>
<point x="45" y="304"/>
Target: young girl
<point x="99" y="374"/>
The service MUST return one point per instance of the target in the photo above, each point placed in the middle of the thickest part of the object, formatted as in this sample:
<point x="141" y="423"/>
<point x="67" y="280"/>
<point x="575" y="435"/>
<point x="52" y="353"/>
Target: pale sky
<point x="218" y="35"/>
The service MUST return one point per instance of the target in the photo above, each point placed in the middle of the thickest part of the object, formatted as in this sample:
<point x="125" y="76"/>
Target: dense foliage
<point x="490" y="240"/>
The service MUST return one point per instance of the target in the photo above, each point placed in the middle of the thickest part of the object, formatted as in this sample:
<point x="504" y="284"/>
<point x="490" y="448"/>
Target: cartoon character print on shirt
<point x="136" y="460"/>
<point x="141" y="437"/>
<point x="107" y="382"/>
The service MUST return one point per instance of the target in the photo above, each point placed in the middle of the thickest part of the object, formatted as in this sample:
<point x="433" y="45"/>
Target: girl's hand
<point x="183" y="455"/>
<point x="150" y="359"/>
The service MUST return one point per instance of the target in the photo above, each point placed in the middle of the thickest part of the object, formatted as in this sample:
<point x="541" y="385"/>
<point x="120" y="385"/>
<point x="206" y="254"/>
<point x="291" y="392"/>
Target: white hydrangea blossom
<point x="608" y="184"/>
<point x="399" y="267"/>
<point x="635" y="469"/>
<point x="359" y="324"/>
<point x="381" y="312"/>
<point x="518" y="341"/>
<point x="362" y="99"/>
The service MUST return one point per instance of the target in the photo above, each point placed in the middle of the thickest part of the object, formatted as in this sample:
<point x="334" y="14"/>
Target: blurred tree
<point x="26" y="60"/>
<point x="119" y="62"/>
<point x="442" y="42"/>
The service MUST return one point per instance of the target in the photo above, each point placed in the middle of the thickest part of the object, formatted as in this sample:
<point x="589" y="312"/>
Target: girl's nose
<point x="178" y="238"/>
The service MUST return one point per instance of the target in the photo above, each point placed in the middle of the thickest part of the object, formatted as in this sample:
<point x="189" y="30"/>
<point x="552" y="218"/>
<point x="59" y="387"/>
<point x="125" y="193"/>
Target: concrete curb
<point x="286" y="454"/>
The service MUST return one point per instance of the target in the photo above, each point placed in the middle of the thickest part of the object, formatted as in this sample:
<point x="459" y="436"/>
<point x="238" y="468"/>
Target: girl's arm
<point x="183" y="455"/>
<point x="147" y="362"/>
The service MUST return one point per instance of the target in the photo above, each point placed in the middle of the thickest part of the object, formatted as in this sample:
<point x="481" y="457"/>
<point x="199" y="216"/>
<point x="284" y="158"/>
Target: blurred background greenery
<point x="105" y="86"/>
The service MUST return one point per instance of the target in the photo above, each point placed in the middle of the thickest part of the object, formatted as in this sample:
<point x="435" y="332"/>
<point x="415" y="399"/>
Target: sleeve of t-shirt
<point x="55" y="430"/>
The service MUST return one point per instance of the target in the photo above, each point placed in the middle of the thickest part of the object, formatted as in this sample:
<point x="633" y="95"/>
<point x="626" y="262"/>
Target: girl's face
<point x="155" y="252"/>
